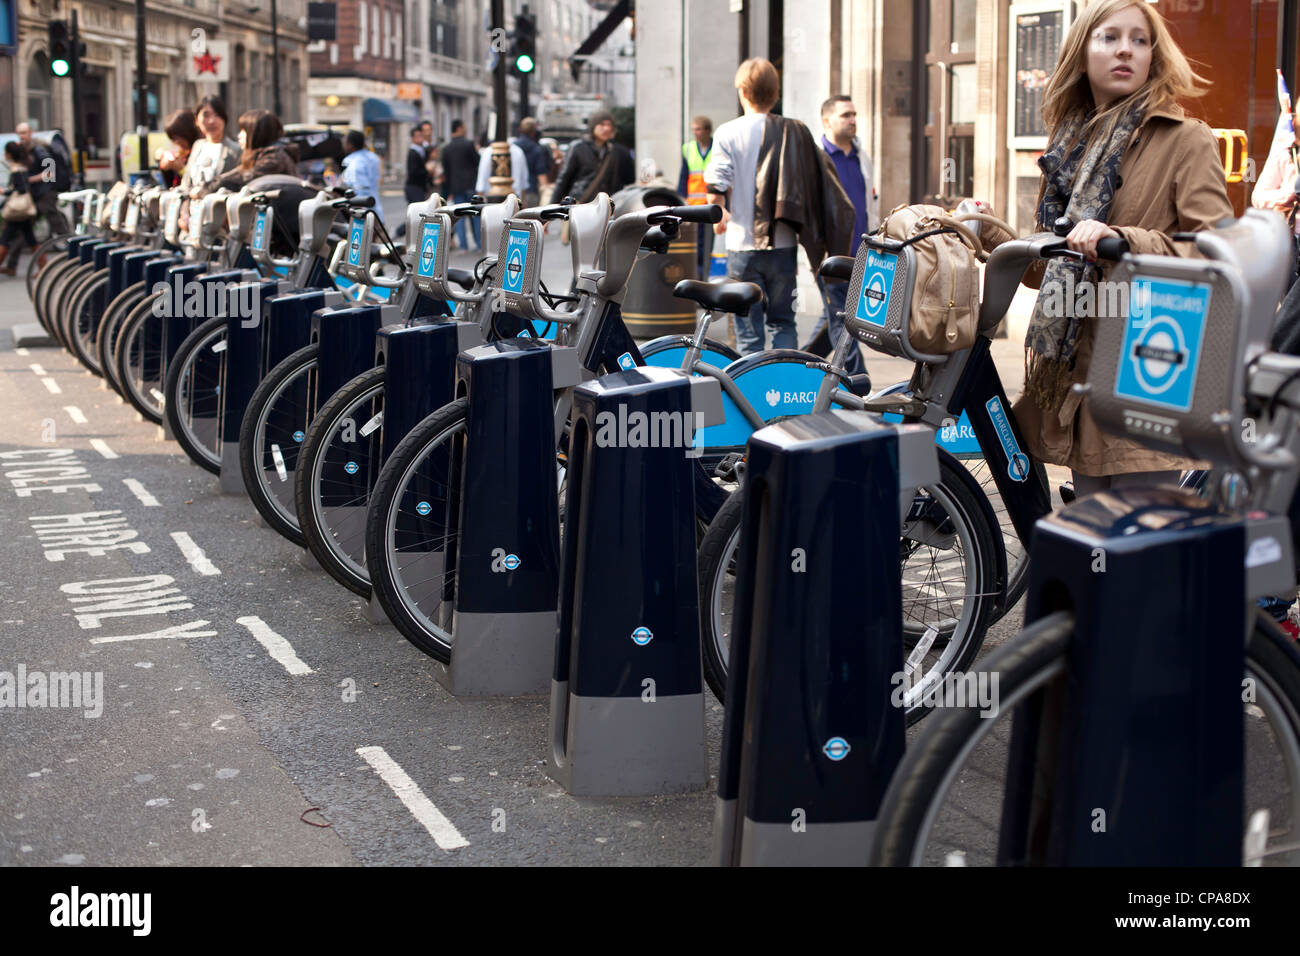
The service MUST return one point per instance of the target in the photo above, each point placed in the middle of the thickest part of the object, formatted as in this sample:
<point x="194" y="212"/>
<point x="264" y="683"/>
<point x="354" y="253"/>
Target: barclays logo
<point x="837" y="748"/>
<point x="773" y="397"/>
<point x="642" y="636"/>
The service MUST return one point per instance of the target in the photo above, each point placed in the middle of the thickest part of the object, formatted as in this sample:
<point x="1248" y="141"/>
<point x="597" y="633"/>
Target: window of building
<point x="948" y="99"/>
<point x="40" y="99"/>
<point x="438" y="35"/>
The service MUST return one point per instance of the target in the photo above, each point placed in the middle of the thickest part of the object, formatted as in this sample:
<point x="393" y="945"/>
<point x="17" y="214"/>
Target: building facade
<point x="108" y="87"/>
<point x="949" y="92"/>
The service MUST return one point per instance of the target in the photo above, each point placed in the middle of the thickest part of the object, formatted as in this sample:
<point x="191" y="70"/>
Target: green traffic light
<point x="524" y="63"/>
<point x="60" y="67"/>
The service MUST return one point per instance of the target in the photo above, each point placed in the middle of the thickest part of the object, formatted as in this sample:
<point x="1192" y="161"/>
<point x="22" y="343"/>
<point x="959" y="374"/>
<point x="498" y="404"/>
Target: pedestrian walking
<point x="48" y="176"/>
<point x="361" y="169"/>
<point x="854" y="170"/>
<point x="537" y="159"/>
<point x="18" y="212"/>
<point x="777" y="188"/>
<point x="460" y="165"/>
<point x="417" y="186"/>
<point x="596" y="163"/>
<point x="690" y="186"/>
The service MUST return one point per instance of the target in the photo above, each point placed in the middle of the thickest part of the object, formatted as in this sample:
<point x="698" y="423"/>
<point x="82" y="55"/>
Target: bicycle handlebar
<point x="706" y="213"/>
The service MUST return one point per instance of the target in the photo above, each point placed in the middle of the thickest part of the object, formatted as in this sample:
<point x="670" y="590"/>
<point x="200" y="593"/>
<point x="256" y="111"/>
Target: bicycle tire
<point x="111" y="324"/>
<point x="956" y="492"/>
<point x="1017" y="552"/>
<point x="382" y="545"/>
<point x="1029" y="661"/>
<point x="68" y="310"/>
<point x="59" y="300"/>
<point x="42" y="255"/>
<point x="338" y="541"/>
<point x="190" y="385"/>
<point x="137" y="390"/>
<point x="84" y="322"/>
<point x="256" y="446"/>
<point x="46" y="282"/>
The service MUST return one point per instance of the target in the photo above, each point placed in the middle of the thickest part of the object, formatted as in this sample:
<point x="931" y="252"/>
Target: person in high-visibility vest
<point x="690" y="184"/>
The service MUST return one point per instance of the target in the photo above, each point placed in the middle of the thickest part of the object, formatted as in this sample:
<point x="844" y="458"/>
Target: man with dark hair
<point x="853" y="167"/>
<point x="460" y="166"/>
<point x="596" y="163"/>
<point x="47" y="177"/>
<point x="361" y="169"/>
<point x="535" y="156"/>
<point x="417" y="175"/>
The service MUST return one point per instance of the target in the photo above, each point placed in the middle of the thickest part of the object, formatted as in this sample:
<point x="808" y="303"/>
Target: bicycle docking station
<point x="1148" y="722"/>
<point x="627" y="689"/>
<point x="812" y="735"/>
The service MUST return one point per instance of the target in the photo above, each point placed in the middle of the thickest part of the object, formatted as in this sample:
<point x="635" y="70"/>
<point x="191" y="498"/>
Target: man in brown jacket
<point x="777" y="188"/>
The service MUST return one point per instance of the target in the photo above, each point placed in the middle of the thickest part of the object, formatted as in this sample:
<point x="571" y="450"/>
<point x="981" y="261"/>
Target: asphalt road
<point x="248" y="706"/>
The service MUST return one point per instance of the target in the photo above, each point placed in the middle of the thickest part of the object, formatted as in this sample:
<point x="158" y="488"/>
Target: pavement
<point x="249" y="712"/>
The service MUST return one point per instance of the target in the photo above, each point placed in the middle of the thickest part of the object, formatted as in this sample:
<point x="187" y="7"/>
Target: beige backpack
<point x="946" y="291"/>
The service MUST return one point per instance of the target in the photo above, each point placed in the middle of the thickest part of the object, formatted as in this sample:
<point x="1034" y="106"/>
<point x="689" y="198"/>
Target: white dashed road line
<point x="37" y="369"/>
<point x="76" y="415"/>
<point x="51" y="386"/>
<point x="22" y="351"/>
<point x="440" y="828"/>
<point x="101" y="446"/>
<point x="194" y="554"/>
<point x="139" y="490"/>
<point x="280" y="649"/>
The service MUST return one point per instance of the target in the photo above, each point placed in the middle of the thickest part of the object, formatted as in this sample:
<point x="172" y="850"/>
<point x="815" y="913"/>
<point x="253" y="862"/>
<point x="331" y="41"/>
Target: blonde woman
<point x="1122" y="160"/>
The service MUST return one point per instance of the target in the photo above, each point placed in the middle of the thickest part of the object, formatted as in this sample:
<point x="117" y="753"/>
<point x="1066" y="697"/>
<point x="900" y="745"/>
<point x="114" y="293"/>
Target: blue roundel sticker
<point x="351" y="468"/>
<point x="511" y="562"/>
<point x="642" y="636"/>
<point x="423" y="508"/>
<point x="837" y="748"/>
<point x="298" y="436"/>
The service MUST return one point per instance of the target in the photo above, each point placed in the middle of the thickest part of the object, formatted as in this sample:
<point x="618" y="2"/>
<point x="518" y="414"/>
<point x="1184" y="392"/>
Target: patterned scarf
<point x="1080" y="184"/>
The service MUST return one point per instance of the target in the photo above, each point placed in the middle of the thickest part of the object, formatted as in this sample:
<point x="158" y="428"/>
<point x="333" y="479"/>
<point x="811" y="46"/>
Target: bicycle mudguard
<point x="668" y="351"/>
<point x="776" y="383"/>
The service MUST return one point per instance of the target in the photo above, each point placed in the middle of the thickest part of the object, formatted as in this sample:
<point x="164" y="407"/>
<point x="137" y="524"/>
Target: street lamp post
<point x="275" y="60"/>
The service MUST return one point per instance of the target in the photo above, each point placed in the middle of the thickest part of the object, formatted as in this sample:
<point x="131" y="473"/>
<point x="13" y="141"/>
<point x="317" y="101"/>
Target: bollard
<point x="627" y="691"/>
<point x="811" y="737"/>
<point x="1155" y="690"/>
<point x="507" y="557"/>
<point x="241" y="372"/>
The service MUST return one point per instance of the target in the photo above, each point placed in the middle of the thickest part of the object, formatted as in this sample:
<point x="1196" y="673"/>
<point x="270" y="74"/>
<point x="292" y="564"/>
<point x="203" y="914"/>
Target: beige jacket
<point x="1171" y="180"/>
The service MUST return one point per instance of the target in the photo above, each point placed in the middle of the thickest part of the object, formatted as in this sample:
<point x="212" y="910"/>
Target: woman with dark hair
<point x="215" y="153"/>
<point x="183" y="133"/>
<point x="259" y="132"/>
<point x="17" y="221"/>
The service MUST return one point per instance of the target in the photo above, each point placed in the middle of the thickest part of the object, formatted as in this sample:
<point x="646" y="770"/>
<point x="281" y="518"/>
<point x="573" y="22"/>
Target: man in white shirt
<point x="518" y="170"/>
<point x="731" y="178"/>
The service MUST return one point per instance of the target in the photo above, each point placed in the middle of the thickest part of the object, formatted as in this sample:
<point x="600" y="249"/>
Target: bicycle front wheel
<point x="192" y="394"/>
<point x="944" y="804"/>
<point x="337" y="469"/>
<point x="138" y="357"/>
<point x="947" y="552"/>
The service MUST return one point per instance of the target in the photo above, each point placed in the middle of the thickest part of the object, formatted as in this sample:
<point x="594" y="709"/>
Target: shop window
<point x="40" y="98"/>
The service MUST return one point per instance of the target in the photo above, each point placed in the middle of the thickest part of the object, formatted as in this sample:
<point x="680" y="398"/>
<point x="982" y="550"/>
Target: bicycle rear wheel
<point x="945" y="800"/>
<point x="110" y="325"/>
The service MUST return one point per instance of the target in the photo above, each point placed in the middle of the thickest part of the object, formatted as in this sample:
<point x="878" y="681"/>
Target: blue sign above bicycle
<point x="428" y="248"/>
<point x="877" y="281"/>
<point x="1162" y="342"/>
<point x="516" y="256"/>
<point x="355" y="235"/>
<point x="259" y="231"/>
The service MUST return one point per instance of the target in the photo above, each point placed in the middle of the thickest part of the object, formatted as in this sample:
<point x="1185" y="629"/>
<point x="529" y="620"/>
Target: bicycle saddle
<point x="462" y="277"/>
<point x="837" y="267"/>
<point x="734" y="297"/>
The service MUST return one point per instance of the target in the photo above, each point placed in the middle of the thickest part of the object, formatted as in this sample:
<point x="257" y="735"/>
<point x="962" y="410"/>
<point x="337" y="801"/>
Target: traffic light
<point x="524" y="52"/>
<point x="60" y="48"/>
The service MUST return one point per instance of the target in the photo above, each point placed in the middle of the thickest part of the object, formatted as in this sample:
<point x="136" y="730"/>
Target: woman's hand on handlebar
<point x="1084" y="236"/>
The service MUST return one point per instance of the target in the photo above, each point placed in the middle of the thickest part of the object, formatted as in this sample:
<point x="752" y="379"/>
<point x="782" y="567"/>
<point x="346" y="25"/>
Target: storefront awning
<point x="389" y="111"/>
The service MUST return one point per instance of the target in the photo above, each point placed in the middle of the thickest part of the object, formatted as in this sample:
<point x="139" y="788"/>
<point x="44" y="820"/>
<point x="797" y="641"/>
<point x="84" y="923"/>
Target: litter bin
<point x="650" y="308"/>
